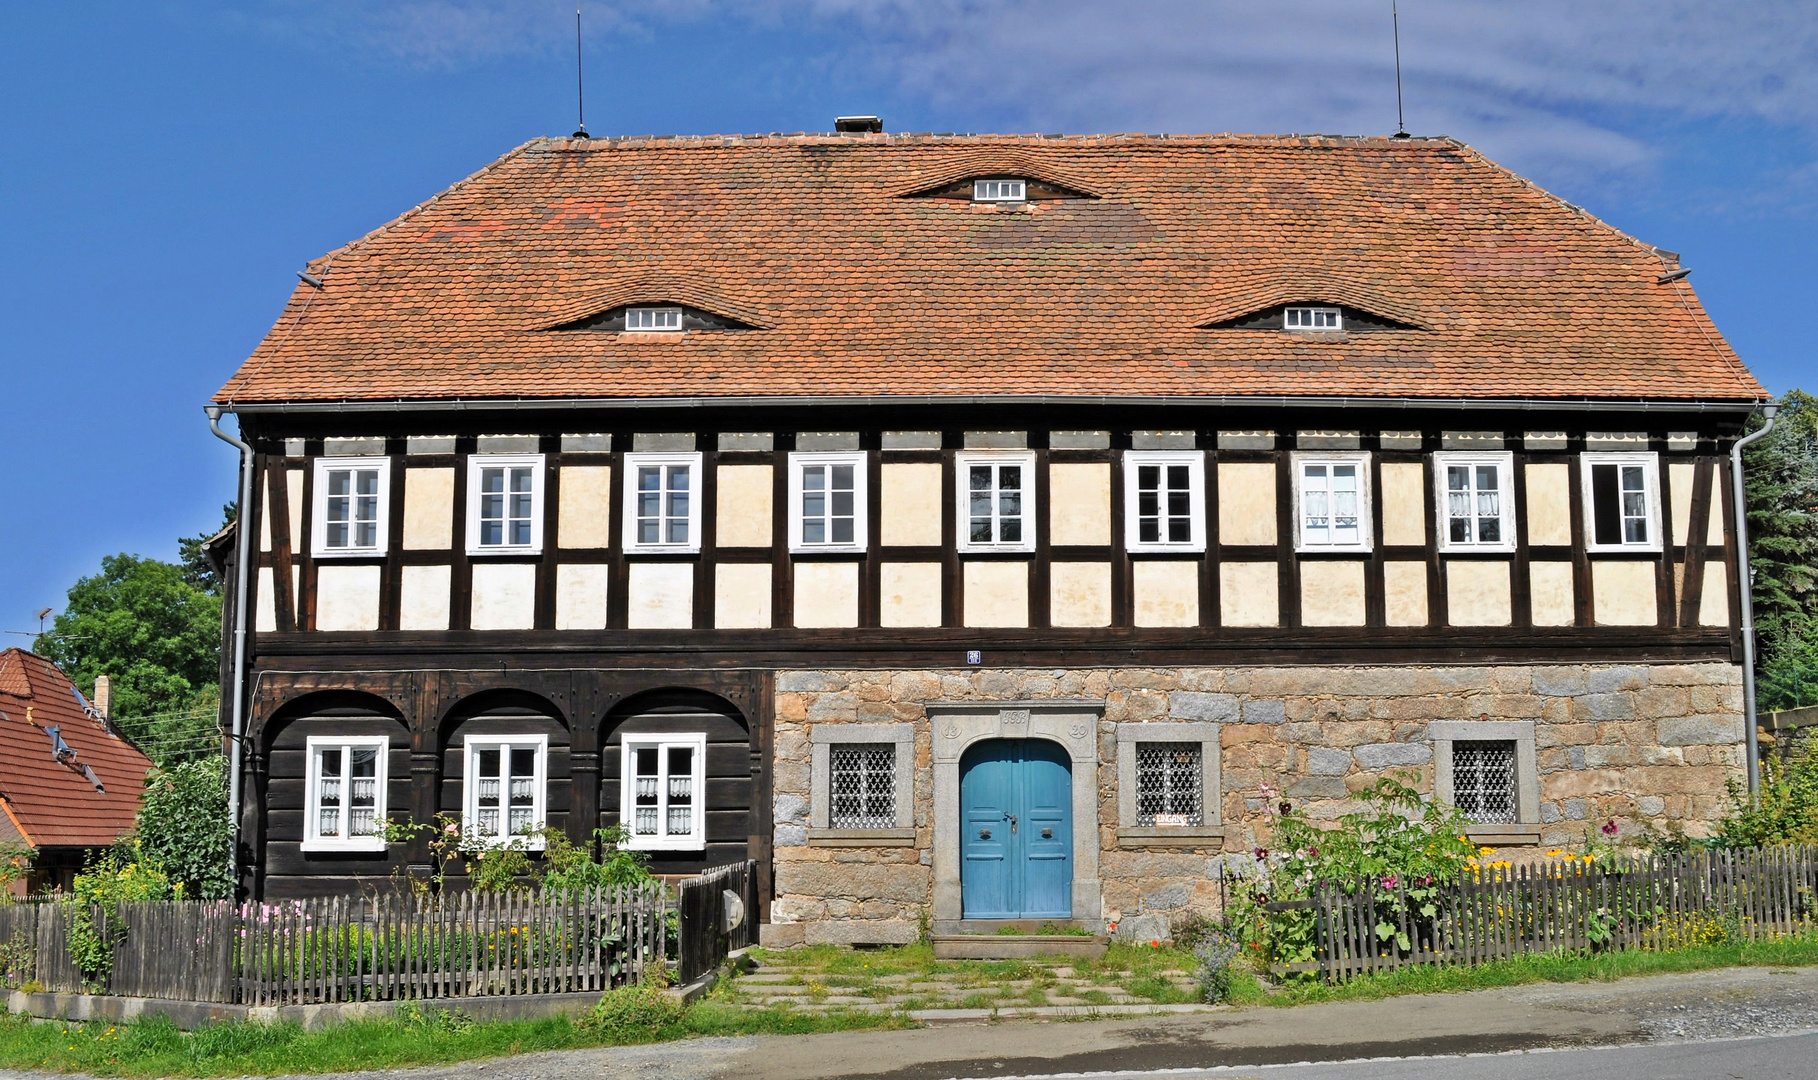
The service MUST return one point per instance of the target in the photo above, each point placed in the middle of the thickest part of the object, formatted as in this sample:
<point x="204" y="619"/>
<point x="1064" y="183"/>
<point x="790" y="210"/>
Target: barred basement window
<point x="1169" y="784"/>
<point x="862" y="777"/>
<point x="1483" y="780"/>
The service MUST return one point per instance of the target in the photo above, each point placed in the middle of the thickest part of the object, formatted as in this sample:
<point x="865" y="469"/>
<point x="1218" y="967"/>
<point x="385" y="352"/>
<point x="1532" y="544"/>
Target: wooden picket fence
<point x="1501" y="912"/>
<point x="718" y="912"/>
<point x="345" y="949"/>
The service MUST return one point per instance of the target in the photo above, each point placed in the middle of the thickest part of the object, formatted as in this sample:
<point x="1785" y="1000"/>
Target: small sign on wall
<point x="975" y="656"/>
<point x="1170" y="821"/>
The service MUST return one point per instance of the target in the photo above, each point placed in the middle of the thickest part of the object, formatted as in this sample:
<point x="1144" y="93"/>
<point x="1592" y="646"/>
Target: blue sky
<point x="166" y="166"/>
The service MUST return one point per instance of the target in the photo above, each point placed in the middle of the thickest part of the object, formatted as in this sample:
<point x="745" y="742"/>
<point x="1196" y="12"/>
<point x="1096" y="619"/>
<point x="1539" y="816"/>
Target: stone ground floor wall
<point x="1649" y="746"/>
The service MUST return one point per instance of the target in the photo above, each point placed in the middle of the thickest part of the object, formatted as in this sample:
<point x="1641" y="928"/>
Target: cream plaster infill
<point x="955" y="726"/>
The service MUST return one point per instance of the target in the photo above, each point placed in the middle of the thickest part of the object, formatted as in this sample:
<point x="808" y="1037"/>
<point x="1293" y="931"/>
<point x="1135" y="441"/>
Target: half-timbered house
<point x="979" y="528"/>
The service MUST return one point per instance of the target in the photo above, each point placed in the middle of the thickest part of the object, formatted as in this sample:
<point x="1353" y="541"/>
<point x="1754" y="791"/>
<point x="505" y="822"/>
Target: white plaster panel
<point x="584" y="517"/>
<point x="743" y="506"/>
<point x="347" y="597"/>
<point x="294" y="497"/>
<point x="1478" y="593"/>
<point x="428" y="509"/>
<point x="997" y="594"/>
<point x="1679" y="477"/>
<point x="909" y="594"/>
<point x="423" y="597"/>
<point x="1404" y="509"/>
<point x="1552" y="598"/>
<point x="910" y="509"/>
<point x="1332" y="592"/>
<point x="1079" y="503"/>
<point x="1714" y="602"/>
<point x="742" y="596"/>
<point x="1713" y="533"/>
<point x="826" y="594"/>
<point x="1404" y="593"/>
<point x="581" y="595"/>
<point x="504" y="596"/>
<point x="1166" y="592"/>
<point x="1622" y="593"/>
<point x="1549" y="504"/>
<point x="1079" y="594"/>
<point x="1246" y="504"/>
<point x="1249" y="594"/>
<point x="659" y="596"/>
<point x="265" y="614"/>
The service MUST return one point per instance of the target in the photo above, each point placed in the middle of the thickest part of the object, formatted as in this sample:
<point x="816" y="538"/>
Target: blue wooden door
<point x="1016" y="839"/>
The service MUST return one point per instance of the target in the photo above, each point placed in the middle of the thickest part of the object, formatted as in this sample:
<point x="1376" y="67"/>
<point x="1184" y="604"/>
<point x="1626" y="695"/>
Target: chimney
<point x="858" y="125"/>
<point x="104" y="696"/>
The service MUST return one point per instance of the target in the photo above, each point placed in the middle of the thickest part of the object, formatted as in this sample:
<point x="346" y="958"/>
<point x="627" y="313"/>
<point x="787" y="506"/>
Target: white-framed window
<point x="653" y="319"/>
<point x="1164" y="500"/>
<point x="1313" y="318"/>
<point x="662" y="502"/>
<point x="505" y="504"/>
<point x="999" y="190"/>
<point x="663" y="791"/>
<point x="996" y="501"/>
<point x="344" y="805"/>
<point x="352" y="506"/>
<point x="506" y="784"/>
<point x="1332" y="502"/>
<point x="827" y="493"/>
<point x="1621" y="501"/>
<point x="1476" y="501"/>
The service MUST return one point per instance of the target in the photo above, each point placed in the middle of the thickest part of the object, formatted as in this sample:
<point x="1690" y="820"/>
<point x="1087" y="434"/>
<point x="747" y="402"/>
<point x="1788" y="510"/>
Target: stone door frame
<point x="956" y="725"/>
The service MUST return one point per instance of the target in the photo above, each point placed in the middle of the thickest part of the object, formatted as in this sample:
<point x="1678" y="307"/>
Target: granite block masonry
<point x="1645" y="745"/>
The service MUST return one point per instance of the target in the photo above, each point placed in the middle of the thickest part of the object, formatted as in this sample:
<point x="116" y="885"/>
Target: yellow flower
<point x="1486" y="851"/>
<point x="1555" y="853"/>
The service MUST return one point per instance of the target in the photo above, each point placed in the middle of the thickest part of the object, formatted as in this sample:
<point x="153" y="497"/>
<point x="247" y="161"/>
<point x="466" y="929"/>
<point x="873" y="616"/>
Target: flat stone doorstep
<point x="189" y="1015"/>
<point x="1051" y="1012"/>
<point x="1016" y="946"/>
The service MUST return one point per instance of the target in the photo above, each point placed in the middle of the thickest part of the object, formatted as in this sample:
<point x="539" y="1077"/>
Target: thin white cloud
<point x="1572" y="90"/>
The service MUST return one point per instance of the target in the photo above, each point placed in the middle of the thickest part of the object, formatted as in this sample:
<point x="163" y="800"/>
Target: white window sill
<point x="1333" y="549"/>
<point x="688" y="844"/>
<point x="1006" y="549"/>
<point x="1196" y="548"/>
<point x="484" y="552"/>
<point x="349" y="553"/>
<point x="663" y="549"/>
<point x="1622" y="549"/>
<point x="376" y="843"/>
<point x="861" y="837"/>
<point x="827" y="549"/>
<point x="1477" y="549"/>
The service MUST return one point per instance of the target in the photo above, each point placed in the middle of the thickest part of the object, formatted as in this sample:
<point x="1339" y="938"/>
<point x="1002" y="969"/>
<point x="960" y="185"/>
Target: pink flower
<point x="1262" y="853"/>
<point x="1389" y="880"/>
<point x="1312" y="853"/>
<point x="450" y="830"/>
<point x="1609" y="827"/>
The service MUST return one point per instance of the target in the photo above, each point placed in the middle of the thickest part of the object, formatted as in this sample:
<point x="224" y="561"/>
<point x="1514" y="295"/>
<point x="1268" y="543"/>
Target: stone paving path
<point x="1007" y="987"/>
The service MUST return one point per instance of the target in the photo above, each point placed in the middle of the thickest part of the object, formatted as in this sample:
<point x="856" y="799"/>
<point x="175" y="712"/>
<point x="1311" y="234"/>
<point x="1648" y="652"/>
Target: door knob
<point x="1047" y="834"/>
<point x="984" y="834"/>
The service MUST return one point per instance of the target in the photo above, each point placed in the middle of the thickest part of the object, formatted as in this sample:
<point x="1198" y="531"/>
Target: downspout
<point x="242" y="564"/>
<point x="1746" y="588"/>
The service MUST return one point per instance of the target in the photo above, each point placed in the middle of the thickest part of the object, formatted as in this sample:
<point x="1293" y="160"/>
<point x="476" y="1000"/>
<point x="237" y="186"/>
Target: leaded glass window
<point x="862" y="782"/>
<point x="1170" y="783"/>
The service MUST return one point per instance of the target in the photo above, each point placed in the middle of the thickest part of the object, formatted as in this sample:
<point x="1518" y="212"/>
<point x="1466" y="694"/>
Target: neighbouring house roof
<point x="857" y="279"/>
<point x="50" y="801"/>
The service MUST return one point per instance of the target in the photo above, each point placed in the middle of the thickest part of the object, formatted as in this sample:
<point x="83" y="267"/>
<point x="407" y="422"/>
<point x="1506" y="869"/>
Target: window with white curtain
<point x="351" y="503"/>
<point x="663" y="791"/>
<point x="1476" y="501"/>
<point x="506" y="781"/>
<point x="1332" y="497"/>
<point x="344" y="808"/>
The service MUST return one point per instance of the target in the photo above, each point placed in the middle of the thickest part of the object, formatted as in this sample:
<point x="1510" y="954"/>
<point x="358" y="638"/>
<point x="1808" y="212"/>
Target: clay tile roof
<point x="858" y="289"/>
<point x="49" y="803"/>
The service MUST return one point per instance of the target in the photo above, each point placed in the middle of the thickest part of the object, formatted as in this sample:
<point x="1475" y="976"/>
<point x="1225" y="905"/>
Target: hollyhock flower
<point x="1609" y="827"/>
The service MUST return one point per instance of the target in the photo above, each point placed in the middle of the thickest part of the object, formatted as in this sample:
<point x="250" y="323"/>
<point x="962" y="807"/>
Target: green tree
<point x="159" y="639"/>
<point x="1783" y="553"/>
<point x="192" y="555"/>
<point x="184" y="829"/>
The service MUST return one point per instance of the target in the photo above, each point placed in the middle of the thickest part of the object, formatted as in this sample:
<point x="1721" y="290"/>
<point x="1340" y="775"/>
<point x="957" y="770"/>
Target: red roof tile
<point x="49" y="802"/>
<point x="862" y="289"/>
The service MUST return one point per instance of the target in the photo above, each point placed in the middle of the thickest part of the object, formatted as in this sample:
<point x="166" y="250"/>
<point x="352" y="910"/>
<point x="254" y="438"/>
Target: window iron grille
<point x="1169" y="781"/>
<point x="1483" y="780"/>
<point x="862" y="786"/>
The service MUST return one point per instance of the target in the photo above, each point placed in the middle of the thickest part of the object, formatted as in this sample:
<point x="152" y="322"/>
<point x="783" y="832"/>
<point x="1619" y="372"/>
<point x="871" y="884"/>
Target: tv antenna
<point x="1401" y="126"/>
<point x="580" y="102"/>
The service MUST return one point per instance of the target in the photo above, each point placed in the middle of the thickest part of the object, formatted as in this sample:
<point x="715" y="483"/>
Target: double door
<point x="1016" y="839"/>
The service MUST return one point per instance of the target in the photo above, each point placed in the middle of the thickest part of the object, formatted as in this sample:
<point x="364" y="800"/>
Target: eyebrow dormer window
<point x="1313" y="318"/>
<point x="1000" y="191"/>
<point x="653" y="319"/>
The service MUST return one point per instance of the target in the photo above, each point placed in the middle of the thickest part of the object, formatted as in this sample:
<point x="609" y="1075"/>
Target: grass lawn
<point x="155" y="1048"/>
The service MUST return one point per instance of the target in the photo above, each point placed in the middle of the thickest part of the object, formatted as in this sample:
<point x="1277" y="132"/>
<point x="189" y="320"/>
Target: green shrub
<point x="1216" y="953"/>
<point x="634" y="1014"/>
<point x="185" y="831"/>
<point x="1786" y="811"/>
<point x="112" y="877"/>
